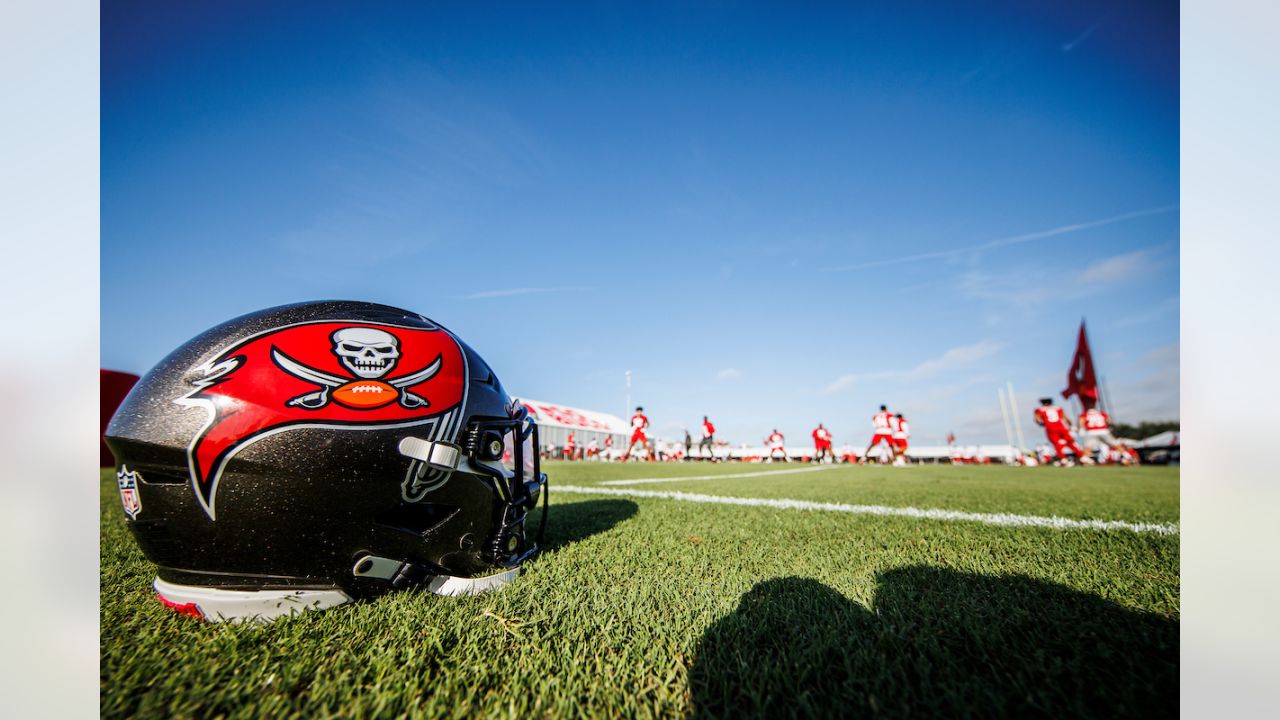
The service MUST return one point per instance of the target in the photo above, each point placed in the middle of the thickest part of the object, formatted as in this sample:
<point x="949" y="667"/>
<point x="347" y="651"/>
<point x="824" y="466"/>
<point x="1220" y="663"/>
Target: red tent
<point x="113" y="386"/>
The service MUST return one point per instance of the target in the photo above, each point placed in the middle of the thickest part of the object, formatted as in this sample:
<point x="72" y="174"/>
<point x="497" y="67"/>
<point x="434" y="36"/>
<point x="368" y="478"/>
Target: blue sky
<point x="772" y="214"/>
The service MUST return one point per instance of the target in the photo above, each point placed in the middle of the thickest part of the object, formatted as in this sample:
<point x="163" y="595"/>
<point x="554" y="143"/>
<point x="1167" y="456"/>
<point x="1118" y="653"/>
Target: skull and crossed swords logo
<point x="369" y="354"/>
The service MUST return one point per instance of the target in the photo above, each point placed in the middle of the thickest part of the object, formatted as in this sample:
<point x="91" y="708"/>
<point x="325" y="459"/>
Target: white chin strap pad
<point x="217" y="605"/>
<point x="447" y="585"/>
<point x="388" y="569"/>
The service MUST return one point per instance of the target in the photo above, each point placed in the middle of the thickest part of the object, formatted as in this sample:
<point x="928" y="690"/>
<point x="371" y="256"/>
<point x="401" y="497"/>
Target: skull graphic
<point x="367" y="352"/>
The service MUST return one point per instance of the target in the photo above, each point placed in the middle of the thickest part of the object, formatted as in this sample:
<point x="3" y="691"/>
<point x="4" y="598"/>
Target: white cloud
<point x="844" y="382"/>
<point x="952" y="359"/>
<point x="1118" y="268"/>
<point x="729" y="374"/>
<point x="1154" y="393"/>
<point x="1163" y="356"/>
<point x="1027" y="288"/>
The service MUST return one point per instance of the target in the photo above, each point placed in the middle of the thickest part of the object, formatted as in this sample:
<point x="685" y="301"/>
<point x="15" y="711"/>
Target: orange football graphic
<point x="365" y="394"/>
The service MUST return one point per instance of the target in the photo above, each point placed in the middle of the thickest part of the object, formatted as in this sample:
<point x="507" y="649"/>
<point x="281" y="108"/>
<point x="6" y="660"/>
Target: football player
<point x="639" y="434"/>
<point x="882" y="424"/>
<point x="1096" y="425"/>
<point x="706" y="446"/>
<point x="822" y="444"/>
<point x="776" y="445"/>
<point x="901" y="434"/>
<point x="1057" y="428"/>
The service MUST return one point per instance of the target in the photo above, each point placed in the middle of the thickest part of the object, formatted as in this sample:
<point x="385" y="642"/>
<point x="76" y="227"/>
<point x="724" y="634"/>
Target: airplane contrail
<point x="1002" y="242"/>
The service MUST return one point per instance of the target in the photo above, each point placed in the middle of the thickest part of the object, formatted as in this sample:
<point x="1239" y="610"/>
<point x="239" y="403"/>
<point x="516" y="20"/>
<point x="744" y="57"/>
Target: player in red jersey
<point x="706" y="446"/>
<point x="1057" y="427"/>
<point x="901" y="436"/>
<point x="570" y="447"/>
<point x="882" y="423"/>
<point x="639" y="434"/>
<point x="1096" y="426"/>
<point x="822" y="444"/>
<point x="776" y="445"/>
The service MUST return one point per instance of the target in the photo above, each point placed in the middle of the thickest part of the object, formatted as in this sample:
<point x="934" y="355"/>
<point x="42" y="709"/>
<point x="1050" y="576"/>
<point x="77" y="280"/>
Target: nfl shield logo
<point x="128" y="483"/>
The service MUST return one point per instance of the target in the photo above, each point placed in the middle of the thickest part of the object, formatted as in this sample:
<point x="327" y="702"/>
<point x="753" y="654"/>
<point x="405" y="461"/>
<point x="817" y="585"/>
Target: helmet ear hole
<point x="491" y="446"/>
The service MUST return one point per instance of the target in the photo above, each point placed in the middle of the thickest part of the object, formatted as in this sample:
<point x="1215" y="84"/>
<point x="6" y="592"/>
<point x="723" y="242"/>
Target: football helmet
<point x="305" y="455"/>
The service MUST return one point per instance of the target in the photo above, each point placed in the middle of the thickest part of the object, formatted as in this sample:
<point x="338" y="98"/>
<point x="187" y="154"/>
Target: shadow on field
<point x="936" y="643"/>
<point x="573" y="522"/>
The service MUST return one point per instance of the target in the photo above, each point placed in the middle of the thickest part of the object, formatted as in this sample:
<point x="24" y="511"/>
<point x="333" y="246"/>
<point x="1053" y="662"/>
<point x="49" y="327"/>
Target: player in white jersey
<point x="1096" y="426"/>
<point x="901" y="435"/>
<point x="639" y="434"/>
<point x="882" y="424"/>
<point x="777" y="446"/>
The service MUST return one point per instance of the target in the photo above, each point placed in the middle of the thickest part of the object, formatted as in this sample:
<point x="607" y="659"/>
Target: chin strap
<point x="400" y="575"/>
<point x="439" y="455"/>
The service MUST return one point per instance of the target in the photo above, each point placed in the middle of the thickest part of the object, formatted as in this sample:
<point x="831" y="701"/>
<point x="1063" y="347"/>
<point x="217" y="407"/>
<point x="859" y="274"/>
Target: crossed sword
<point x="320" y="398"/>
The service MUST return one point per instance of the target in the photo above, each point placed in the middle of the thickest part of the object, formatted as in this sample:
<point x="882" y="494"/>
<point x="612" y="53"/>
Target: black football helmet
<point x="306" y="455"/>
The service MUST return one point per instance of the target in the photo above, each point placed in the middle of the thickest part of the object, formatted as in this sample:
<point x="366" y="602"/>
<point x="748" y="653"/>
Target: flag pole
<point x="1104" y="392"/>
<point x="1017" y="423"/>
<point x="627" y="410"/>
<point x="1004" y="415"/>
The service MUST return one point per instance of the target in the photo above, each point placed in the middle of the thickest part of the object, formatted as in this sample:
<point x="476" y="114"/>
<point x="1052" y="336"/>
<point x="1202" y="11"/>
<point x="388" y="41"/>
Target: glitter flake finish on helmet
<point x="308" y="454"/>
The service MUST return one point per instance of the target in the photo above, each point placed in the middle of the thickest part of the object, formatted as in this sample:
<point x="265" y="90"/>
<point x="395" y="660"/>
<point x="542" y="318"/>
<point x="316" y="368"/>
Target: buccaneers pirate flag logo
<point x="340" y="375"/>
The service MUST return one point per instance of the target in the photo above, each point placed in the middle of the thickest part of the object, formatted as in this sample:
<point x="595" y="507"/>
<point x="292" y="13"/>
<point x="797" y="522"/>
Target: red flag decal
<point x="341" y="375"/>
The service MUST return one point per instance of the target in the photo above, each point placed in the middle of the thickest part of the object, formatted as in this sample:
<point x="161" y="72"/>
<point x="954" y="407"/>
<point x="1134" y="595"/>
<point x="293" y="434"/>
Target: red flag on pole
<point x="1081" y="381"/>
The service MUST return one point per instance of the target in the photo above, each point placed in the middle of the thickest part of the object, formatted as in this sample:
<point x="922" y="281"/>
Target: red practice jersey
<point x="900" y="429"/>
<point x="639" y="422"/>
<point x="1052" y="416"/>
<point x="883" y="423"/>
<point x="1094" y="420"/>
<point x="775" y="439"/>
<point x="708" y="429"/>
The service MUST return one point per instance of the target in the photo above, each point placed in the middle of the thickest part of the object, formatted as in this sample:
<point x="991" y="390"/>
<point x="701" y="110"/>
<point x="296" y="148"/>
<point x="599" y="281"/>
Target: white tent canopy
<point x="1166" y="439"/>
<point x="555" y="422"/>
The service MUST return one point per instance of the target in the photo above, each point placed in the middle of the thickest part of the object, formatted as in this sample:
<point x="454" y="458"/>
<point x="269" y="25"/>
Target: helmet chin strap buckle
<point x="402" y="574"/>
<point x="439" y="455"/>
<point x="398" y="574"/>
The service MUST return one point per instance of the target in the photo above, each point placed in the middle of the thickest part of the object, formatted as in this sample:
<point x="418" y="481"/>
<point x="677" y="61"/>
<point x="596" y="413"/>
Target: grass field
<point x="655" y="607"/>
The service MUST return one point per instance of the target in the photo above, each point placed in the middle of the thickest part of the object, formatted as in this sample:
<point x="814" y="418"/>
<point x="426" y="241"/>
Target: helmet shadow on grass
<point x="936" y="642"/>
<point x="573" y="522"/>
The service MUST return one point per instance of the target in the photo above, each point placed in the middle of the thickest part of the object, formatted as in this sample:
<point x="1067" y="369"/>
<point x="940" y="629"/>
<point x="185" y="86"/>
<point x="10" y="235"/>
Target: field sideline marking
<point x="646" y="481"/>
<point x="1002" y="519"/>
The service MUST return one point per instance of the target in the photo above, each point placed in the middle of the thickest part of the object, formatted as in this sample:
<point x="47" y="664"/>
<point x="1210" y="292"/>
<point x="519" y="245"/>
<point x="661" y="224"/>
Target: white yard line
<point x="1003" y="519"/>
<point x="646" y="481"/>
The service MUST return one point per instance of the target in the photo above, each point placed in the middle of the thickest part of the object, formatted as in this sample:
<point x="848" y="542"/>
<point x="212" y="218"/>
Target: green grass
<point x="657" y="608"/>
<point x="1141" y="494"/>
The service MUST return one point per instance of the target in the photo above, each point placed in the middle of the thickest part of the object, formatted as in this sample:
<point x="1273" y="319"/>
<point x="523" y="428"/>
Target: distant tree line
<point x="1144" y="429"/>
